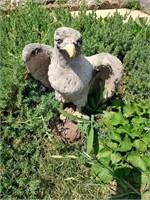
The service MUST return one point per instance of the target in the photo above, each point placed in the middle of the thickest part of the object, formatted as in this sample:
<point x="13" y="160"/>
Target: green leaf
<point x="107" y="119"/>
<point x="138" y="109"/>
<point x="107" y="115"/>
<point x="146" y="138"/>
<point x="117" y="103"/>
<point x="104" y="156"/>
<point x="103" y="95"/>
<point x="95" y="102"/>
<point x="147" y="129"/>
<point x="139" y="120"/>
<point x="92" y="102"/>
<point x="102" y="144"/>
<point x="137" y="176"/>
<point x="105" y="153"/>
<point x="84" y="127"/>
<point x="139" y="145"/>
<point x="124" y="129"/>
<point x="146" y="159"/>
<point x="89" y="109"/>
<point x="115" y="136"/>
<point x="112" y="145"/>
<point x="90" y="140"/>
<point x="135" y="132"/>
<point x="97" y="95"/>
<point x="118" y="118"/>
<point x="121" y="171"/>
<point x="115" y="157"/>
<point x="145" y="179"/>
<point x="136" y="161"/>
<point x="145" y="106"/>
<point x="101" y="174"/>
<point x="128" y="110"/>
<point x="125" y="145"/>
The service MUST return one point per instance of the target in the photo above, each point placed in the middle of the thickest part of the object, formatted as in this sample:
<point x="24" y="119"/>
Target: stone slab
<point x="108" y="12"/>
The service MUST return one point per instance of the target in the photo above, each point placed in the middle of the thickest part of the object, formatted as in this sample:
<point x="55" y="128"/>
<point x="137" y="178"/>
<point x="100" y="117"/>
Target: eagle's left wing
<point x="108" y="72"/>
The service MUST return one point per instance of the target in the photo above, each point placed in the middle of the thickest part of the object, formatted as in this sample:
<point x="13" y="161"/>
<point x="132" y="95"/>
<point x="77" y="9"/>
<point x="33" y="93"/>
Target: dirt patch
<point x="66" y="131"/>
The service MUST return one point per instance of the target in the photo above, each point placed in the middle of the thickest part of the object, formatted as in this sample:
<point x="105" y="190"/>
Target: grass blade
<point x="90" y="140"/>
<point x="62" y="157"/>
<point x="73" y="117"/>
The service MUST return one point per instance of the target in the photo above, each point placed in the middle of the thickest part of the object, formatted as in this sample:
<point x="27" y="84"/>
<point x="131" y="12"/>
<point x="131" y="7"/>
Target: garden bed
<point x="35" y="165"/>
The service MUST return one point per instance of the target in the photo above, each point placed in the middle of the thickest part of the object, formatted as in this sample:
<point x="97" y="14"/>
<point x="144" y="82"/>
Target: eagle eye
<point x="59" y="41"/>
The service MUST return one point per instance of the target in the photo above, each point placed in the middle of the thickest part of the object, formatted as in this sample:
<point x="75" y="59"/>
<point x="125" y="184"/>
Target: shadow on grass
<point x="128" y="183"/>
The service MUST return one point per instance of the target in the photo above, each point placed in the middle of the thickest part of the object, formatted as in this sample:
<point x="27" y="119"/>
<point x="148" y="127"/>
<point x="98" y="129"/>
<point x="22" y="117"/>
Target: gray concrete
<point x="145" y="5"/>
<point x="72" y="75"/>
<point x="108" y="12"/>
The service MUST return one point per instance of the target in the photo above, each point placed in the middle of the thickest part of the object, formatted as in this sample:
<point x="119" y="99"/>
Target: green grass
<point x="31" y="172"/>
<point x="27" y="169"/>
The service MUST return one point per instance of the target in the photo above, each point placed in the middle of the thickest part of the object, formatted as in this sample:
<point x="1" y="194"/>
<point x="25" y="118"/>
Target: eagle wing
<point x="37" y="58"/>
<point x="108" y="73"/>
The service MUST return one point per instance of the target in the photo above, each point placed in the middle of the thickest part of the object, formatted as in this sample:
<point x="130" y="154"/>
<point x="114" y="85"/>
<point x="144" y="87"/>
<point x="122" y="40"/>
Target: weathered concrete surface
<point x="108" y="12"/>
<point x="72" y="75"/>
<point x="145" y="5"/>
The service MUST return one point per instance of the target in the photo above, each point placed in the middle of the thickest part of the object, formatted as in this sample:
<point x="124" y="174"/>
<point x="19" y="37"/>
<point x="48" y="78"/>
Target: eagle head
<point x="68" y="40"/>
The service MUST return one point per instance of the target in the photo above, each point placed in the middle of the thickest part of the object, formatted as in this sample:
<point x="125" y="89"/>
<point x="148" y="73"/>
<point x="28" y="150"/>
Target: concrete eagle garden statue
<point x="70" y="74"/>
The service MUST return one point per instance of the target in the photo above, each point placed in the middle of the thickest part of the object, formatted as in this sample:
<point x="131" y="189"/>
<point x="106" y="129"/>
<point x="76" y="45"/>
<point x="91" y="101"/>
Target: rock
<point x="75" y="7"/>
<point x="44" y="1"/>
<point x="50" y="1"/>
<point x="91" y="6"/>
<point x="53" y="6"/>
<point x="49" y="6"/>
<point x="3" y="2"/>
<point x="114" y="4"/>
<point x="92" y="2"/>
<point x="105" y="5"/>
<point x="123" y="4"/>
<point x="4" y="9"/>
<point x="145" y="5"/>
<point x="72" y="1"/>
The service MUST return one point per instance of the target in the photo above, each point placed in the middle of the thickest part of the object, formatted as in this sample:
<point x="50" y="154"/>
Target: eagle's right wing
<point x="37" y="58"/>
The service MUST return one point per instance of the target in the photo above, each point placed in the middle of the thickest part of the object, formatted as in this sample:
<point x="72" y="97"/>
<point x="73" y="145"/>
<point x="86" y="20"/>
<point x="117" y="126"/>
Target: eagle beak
<point x="71" y="50"/>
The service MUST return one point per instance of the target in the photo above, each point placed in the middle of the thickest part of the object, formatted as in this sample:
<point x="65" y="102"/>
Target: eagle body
<point x="65" y="70"/>
<point x="71" y="78"/>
